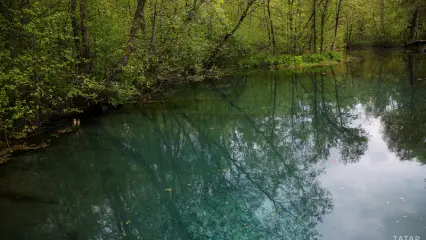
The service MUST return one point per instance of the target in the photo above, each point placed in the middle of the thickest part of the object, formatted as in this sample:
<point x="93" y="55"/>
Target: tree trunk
<point x="336" y="27"/>
<point x="210" y="62"/>
<point x="85" y="53"/>
<point x="314" y="26"/>
<point x="271" y="26"/>
<point x="268" y="29"/>
<point x="154" y="24"/>
<point x="414" y="23"/>
<point x="290" y="25"/>
<point x="297" y="26"/>
<point x="131" y="44"/>
<point x="75" y="29"/>
<point x="292" y="36"/>
<point x="382" y="19"/>
<point x="323" y="16"/>
<point x="349" y="35"/>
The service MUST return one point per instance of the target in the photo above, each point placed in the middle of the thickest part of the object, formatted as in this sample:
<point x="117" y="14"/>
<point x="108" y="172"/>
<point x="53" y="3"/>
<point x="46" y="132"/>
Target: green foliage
<point x="34" y="70"/>
<point x="288" y="61"/>
<point x="45" y="68"/>
<point x="334" y="56"/>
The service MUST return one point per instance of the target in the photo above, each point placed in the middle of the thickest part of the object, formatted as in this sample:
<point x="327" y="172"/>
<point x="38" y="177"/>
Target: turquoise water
<point x="330" y="153"/>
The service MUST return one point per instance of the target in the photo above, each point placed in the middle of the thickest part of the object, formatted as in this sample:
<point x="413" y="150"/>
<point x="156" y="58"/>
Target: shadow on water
<point x="235" y="161"/>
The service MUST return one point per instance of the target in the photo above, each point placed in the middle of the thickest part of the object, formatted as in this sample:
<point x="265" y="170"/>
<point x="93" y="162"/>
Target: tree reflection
<point x="233" y="165"/>
<point x="392" y="89"/>
<point x="405" y="122"/>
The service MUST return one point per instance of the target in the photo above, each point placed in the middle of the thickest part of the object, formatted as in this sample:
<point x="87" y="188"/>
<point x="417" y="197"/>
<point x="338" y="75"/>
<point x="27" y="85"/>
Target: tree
<point x="225" y="38"/>
<point x="336" y="26"/>
<point x="413" y="24"/>
<point x="57" y="57"/>
<point x="85" y="52"/>
<point x="323" y="23"/>
<point x="132" y="42"/>
<point x="271" y="25"/>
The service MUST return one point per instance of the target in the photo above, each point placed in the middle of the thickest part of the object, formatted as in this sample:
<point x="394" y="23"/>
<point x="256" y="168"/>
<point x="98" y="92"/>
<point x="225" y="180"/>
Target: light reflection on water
<point x="333" y="153"/>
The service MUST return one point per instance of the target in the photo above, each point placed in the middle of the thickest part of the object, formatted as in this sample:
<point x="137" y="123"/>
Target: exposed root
<point x="6" y="153"/>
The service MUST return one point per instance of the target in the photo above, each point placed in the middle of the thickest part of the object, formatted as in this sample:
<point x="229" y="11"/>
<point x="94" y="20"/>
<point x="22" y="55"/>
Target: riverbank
<point x="321" y="137"/>
<point x="37" y="140"/>
<point x="61" y="124"/>
<point x="290" y="61"/>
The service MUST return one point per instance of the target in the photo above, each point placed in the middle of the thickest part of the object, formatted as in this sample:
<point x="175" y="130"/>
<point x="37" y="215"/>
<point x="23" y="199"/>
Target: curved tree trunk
<point x="271" y="26"/>
<point x="210" y="61"/>
<point x="131" y="44"/>
<point x="413" y="27"/>
<point x="336" y="27"/>
<point x="323" y="21"/>
<point x="154" y="25"/>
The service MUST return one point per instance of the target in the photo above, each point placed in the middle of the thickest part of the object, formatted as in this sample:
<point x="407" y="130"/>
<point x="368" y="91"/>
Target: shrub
<point x="335" y="56"/>
<point x="287" y="60"/>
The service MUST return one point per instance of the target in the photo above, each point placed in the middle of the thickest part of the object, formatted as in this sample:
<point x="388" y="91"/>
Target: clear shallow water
<point x="334" y="153"/>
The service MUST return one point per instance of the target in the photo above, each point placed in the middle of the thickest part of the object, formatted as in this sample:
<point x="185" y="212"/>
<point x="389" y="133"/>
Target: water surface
<point x="331" y="153"/>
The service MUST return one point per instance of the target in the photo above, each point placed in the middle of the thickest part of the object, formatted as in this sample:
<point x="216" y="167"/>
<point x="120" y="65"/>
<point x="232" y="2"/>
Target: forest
<point x="58" y="57"/>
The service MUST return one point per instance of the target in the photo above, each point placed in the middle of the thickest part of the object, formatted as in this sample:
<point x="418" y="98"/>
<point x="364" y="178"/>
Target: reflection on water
<point x="334" y="154"/>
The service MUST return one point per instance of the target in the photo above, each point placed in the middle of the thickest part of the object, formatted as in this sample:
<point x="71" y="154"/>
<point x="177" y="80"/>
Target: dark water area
<point x="331" y="153"/>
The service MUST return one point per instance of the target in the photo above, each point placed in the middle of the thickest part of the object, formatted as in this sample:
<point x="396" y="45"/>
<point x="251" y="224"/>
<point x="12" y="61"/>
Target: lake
<point x="324" y="153"/>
